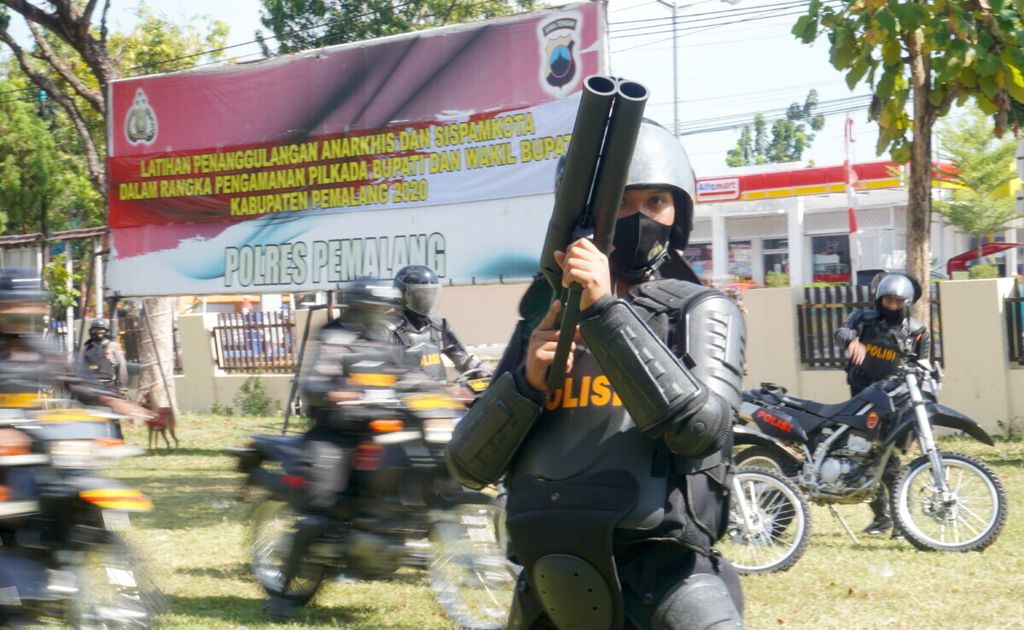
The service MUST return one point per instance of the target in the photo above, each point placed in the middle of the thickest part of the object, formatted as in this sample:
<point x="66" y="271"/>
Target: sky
<point x="733" y="60"/>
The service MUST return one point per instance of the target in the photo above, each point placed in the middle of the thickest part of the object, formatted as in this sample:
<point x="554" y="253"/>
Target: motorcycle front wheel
<point x="472" y="579"/>
<point x="113" y="589"/>
<point x="768" y="459"/>
<point x="969" y="517"/>
<point x="273" y="528"/>
<point x="769" y="523"/>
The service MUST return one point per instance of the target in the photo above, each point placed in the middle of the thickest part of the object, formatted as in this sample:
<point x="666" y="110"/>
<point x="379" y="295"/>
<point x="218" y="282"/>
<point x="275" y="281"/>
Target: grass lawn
<point x="196" y="542"/>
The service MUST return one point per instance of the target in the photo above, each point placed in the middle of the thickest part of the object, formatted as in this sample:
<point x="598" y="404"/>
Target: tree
<point x="72" y="61"/>
<point x="983" y="166"/>
<point x="791" y="136"/>
<point x="303" y="24"/>
<point x="928" y="54"/>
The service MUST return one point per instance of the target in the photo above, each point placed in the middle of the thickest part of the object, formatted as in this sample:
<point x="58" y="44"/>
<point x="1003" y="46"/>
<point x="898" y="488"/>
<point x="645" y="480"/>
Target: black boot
<point x="308" y="529"/>
<point x="882" y="524"/>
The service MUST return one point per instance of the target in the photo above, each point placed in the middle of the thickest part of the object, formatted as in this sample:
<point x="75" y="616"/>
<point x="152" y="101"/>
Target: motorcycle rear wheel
<point x="273" y="527"/>
<point x="113" y="589"/>
<point x="472" y="579"/>
<point x="780" y="523"/>
<point x="969" y="518"/>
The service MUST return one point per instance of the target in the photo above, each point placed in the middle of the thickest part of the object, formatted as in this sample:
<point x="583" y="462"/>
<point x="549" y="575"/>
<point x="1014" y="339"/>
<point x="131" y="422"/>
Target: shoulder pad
<point x="916" y="326"/>
<point x="661" y="296"/>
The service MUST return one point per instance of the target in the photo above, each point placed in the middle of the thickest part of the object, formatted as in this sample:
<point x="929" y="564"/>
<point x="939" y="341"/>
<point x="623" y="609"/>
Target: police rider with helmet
<point x="353" y="354"/>
<point x="102" y="355"/>
<point x="872" y="338"/>
<point x="618" y="482"/>
<point x="424" y="336"/>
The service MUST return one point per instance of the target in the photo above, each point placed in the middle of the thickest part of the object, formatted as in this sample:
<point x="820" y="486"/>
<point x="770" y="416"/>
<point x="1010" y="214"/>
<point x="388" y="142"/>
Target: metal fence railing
<point x="255" y="342"/>
<point x="132" y="335"/>
<point x="1013" y="306"/>
<point x="825" y="309"/>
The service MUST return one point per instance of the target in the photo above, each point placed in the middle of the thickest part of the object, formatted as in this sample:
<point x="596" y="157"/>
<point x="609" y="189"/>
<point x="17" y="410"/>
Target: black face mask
<point x="892" y="317"/>
<point x="641" y="245"/>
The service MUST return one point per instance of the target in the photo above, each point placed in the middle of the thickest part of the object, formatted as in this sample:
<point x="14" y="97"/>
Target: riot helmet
<point x="641" y="243"/>
<point x="896" y="288"/>
<point x="419" y="288"/>
<point x="366" y="301"/>
<point x="23" y="305"/>
<point x="99" y="327"/>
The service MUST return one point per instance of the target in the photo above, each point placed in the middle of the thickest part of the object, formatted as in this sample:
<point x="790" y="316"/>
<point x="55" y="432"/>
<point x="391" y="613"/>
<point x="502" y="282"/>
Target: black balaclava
<point x="641" y="246"/>
<point x="893" y="317"/>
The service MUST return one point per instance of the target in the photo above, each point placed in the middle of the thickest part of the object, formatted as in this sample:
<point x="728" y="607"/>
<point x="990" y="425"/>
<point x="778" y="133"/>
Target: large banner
<point x="321" y="167"/>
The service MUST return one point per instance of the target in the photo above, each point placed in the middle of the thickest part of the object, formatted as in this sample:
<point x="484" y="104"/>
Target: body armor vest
<point x="422" y="348"/>
<point x="97" y="359"/>
<point x="882" y="355"/>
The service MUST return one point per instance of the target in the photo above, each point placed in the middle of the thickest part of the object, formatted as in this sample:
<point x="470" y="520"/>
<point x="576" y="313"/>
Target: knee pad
<point x="573" y="593"/>
<point x="702" y="602"/>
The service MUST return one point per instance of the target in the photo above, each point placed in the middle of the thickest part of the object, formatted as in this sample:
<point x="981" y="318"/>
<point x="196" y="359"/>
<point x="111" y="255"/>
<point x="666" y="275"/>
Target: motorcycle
<point x="769" y="523"/>
<point x="400" y="509"/>
<point x="836" y="454"/>
<point x="61" y="552"/>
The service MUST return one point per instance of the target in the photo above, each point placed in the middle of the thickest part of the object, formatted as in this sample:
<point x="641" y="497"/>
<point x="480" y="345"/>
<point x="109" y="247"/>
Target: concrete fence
<point x="980" y="380"/>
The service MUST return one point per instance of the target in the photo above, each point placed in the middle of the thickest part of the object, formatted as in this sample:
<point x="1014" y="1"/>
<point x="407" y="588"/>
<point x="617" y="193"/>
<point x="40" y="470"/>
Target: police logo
<point x="140" y="124"/>
<point x="559" y="57"/>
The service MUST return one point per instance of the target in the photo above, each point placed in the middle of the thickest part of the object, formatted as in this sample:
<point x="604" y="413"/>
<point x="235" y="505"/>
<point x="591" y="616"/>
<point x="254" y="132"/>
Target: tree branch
<point x="93" y="97"/>
<point x="95" y="165"/>
<point x="103" y="23"/>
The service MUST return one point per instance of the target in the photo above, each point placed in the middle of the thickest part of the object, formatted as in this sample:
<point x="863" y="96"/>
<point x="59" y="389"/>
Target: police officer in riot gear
<point x="357" y="341"/>
<point x="103" y="357"/>
<point x="424" y="336"/>
<point x="618" y="482"/>
<point x="871" y="338"/>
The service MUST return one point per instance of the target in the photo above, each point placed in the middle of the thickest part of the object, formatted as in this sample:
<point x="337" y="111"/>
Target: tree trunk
<point x="919" y="203"/>
<point x="157" y="351"/>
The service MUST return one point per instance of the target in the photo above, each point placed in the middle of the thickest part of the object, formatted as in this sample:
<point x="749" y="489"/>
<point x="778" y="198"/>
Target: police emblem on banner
<point x="559" y="38"/>
<point x="140" y="124"/>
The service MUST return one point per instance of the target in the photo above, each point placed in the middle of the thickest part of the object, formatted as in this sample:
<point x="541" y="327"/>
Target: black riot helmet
<point x="419" y="288"/>
<point x="23" y="305"/>
<point x="97" y="324"/>
<point x="365" y="302"/>
<point x="896" y="284"/>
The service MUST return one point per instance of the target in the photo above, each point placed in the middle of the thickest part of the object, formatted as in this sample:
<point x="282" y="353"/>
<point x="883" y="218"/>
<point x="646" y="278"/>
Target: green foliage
<point x="304" y="24"/>
<point x="983" y="166"/>
<point x="56" y="277"/>
<point x="252" y="399"/>
<point x="158" y="45"/>
<point x="790" y="137"/>
<point x="218" y="409"/>
<point x="983" y="271"/>
<point x="776" y="279"/>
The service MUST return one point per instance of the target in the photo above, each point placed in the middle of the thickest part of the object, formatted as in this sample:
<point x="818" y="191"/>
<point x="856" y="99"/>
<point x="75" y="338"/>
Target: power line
<point x="710" y="125"/>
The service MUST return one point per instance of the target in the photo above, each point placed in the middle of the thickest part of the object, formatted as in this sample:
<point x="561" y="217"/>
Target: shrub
<point x="978" y="272"/>
<point x="252" y="399"/>
<point x="776" y="279"/>
<point x="218" y="409"/>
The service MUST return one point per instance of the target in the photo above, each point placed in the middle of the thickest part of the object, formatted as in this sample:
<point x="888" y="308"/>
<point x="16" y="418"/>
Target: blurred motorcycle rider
<point x="103" y="356"/>
<point x="618" y="481"/>
<point x="28" y="363"/>
<point x="872" y="338"/>
<point x="424" y="336"/>
<point x="353" y="355"/>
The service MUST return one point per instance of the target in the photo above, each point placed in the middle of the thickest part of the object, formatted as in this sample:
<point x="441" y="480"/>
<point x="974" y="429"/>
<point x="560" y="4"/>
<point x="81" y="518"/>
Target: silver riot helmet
<point x="419" y="288"/>
<point x="99" y="327"/>
<point x="660" y="161"/>
<point x="23" y="305"/>
<point x="897" y="285"/>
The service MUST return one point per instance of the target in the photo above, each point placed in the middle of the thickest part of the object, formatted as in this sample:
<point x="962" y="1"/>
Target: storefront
<point x="796" y="222"/>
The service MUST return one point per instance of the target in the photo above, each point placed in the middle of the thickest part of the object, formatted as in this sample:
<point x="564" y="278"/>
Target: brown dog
<point x="162" y="422"/>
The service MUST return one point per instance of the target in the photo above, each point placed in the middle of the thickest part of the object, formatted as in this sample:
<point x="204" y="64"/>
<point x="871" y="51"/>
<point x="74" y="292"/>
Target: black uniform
<point x="626" y="467"/>
<point x="424" y="339"/>
<point x="882" y="341"/>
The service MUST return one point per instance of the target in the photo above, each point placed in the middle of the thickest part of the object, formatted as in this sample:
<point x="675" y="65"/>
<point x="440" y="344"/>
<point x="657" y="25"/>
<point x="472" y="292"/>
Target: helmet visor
<point x="422" y="299"/>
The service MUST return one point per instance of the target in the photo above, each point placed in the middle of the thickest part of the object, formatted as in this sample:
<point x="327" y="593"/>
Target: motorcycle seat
<point x="279" y="445"/>
<point x="816" y="408"/>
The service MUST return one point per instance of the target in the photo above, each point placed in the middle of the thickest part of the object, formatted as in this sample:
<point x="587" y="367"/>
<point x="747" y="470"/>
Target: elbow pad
<point x="487" y="438"/>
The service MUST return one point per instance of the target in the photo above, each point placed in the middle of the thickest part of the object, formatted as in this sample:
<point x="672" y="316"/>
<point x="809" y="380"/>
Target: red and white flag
<point x="851" y="178"/>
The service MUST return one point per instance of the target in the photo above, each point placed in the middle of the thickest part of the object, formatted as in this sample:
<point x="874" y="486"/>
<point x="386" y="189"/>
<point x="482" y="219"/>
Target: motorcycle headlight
<point x="438" y="429"/>
<point x="74" y="453"/>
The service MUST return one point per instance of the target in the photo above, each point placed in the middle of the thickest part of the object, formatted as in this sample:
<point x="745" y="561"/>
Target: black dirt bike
<point x="400" y="509"/>
<point x="942" y="501"/>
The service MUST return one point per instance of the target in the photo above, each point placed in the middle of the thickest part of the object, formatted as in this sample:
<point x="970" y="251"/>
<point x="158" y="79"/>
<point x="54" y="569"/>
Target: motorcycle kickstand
<point x="838" y="517"/>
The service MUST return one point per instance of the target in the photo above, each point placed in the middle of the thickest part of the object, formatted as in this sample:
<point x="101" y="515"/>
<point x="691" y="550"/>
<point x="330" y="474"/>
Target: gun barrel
<point x="578" y="171"/>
